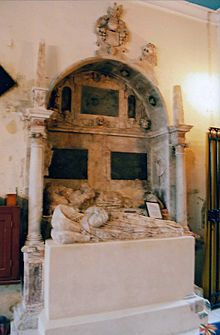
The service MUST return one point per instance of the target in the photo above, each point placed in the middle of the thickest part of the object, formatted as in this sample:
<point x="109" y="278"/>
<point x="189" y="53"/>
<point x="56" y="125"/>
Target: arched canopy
<point x="131" y="75"/>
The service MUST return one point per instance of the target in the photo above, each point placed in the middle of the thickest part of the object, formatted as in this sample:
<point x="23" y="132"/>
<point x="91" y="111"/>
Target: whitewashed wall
<point x="187" y="56"/>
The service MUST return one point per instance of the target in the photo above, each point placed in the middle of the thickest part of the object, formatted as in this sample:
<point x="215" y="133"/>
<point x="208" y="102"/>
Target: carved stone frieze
<point x="112" y="32"/>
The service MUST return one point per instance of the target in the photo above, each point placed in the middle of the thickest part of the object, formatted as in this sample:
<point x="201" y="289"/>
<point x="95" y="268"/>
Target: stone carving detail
<point x="149" y="54"/>
<point x="100" y="121"/>
<point x="59" y="194"/>
<point x="39" y="97"/>
<point x="145" y="123"/>
<point x="112" y="32"/>
<point x="94" y="217"/>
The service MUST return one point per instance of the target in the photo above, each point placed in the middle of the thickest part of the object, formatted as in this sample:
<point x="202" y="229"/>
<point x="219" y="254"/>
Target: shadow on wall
<point x="23" y="204"/>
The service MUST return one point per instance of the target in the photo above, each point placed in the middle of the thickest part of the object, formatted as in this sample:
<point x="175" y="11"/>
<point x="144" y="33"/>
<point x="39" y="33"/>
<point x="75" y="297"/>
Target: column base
<point x="25" y="320"/>
<point x="26" y="313"/>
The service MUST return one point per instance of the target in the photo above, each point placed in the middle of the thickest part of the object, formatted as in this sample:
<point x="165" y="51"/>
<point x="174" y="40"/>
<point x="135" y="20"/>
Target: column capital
<point x="178" y="134"/>
<point x="36" y="118"/>
<point x="37" y="114"/>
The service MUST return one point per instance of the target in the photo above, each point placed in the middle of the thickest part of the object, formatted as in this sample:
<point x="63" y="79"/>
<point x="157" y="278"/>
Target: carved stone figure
<point x="66" y="225"/>
<point x="70" y="226"/>
<point x="94" y="217"/>
<point x="59" y="194"/>
<point x="112" y="32"/>
<point x="149" y="54"/>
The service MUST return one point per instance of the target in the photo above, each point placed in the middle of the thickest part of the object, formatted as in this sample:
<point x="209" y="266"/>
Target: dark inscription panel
<point x="99" y="101"/>
<point x="69" y="164"/>
<point x="128" y="166"/>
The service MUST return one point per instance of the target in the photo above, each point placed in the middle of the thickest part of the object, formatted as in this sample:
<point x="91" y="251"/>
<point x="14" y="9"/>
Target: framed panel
<point x="99" y="101"/>
<point x="69" y="164"/>
<point x="128" y="166"/>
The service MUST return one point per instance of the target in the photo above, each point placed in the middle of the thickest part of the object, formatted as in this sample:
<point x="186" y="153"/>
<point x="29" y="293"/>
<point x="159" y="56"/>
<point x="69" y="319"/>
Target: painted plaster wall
<point x="187" y="55"/>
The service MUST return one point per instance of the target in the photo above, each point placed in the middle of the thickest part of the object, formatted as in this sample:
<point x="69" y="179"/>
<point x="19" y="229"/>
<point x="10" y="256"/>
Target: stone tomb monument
<point x="138" y="286"/>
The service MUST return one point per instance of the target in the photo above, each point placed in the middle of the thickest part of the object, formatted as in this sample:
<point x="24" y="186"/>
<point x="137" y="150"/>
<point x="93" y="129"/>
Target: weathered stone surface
<point x="94" y="217"/>
<point x="77" y="198"/>
<point x="67" y="237"/>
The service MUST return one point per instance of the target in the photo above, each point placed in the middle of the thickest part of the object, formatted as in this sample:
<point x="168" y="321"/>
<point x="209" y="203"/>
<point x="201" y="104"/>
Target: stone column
<point x="37" y="116"/>
<point x="178" y="132"/>
<point x="179" y="145"/>
<point x="181" y="205"/>
<point x="26" y="314"/>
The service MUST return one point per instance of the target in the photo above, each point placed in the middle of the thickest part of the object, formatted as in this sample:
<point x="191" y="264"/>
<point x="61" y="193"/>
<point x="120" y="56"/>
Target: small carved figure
<point x="149" y="54"/>
<point x="145" y="123"/>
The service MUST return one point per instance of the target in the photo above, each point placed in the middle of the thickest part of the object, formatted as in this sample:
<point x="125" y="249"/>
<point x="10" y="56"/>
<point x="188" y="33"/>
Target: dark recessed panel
<point x="128" y="166"/>
<point x="99" y="101"/>
<point x="131" y="106"/>
<point x="69" y="164"/>
<point x="66" y="102"/>
<point x="6" y="82"/>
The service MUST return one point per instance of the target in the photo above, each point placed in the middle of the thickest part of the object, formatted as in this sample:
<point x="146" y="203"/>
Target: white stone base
<point x="160" y="319"/>
<point x="121" y="287"/>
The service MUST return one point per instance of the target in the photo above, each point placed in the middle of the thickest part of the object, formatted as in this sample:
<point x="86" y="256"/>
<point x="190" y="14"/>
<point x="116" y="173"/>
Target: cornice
<point x="183" y="8"/>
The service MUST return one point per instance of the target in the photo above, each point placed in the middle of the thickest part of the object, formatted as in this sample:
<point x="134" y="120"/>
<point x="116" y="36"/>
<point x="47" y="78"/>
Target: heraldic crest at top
<point x="112" y="32"/>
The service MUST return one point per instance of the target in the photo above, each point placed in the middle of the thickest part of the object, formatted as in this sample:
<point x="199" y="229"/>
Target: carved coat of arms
<point x="112" y="31"/>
